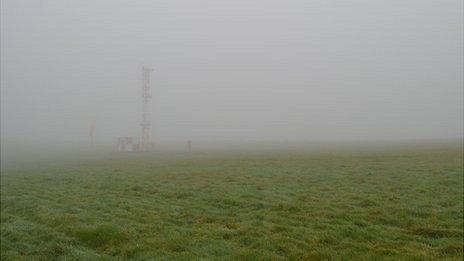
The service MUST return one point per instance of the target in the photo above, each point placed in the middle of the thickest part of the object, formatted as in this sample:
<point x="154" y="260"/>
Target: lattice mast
<point x="146" y="96"/>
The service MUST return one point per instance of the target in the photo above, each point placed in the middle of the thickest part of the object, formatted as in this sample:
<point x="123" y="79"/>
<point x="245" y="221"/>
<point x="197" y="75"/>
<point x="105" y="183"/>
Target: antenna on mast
<point x="146" y="96"/>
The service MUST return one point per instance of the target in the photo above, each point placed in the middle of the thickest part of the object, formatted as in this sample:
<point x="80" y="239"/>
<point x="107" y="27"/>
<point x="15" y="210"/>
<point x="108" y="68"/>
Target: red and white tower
<point x="146" y="96"/>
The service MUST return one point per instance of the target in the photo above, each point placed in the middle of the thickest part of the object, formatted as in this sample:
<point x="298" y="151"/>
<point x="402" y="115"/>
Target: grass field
<point x="392" y="204"/>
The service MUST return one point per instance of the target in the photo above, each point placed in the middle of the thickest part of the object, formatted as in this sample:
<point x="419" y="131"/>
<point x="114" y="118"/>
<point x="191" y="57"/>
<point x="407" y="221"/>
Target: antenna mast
<point x="146" y="96"/>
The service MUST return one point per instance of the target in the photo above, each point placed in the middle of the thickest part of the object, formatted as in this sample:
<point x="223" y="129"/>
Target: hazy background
<point x="232" y="70"/>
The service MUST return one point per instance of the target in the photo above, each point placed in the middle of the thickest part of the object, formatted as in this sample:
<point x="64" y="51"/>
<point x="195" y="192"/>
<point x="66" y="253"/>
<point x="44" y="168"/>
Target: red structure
<point x="92" y="132"/>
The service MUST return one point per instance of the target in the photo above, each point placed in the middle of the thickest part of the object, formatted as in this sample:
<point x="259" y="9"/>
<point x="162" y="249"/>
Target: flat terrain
<point x="392" y="204"/>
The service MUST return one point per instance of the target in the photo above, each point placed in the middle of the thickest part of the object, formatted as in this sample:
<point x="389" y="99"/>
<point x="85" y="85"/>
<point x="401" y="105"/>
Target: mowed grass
<point x="294" y="205"/>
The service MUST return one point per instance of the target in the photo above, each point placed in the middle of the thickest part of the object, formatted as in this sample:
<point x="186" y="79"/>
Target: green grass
<point x="394" y="204"/>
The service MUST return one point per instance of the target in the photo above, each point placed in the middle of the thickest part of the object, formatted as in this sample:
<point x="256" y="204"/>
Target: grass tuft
<point x="101" y="236"/>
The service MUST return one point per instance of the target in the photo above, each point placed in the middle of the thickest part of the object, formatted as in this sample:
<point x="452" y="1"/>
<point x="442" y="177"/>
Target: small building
<point x="126" y="144"/>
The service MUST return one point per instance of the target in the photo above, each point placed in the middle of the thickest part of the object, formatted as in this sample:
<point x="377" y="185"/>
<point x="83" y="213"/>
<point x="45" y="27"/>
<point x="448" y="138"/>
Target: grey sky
<point x="233" y="70"/>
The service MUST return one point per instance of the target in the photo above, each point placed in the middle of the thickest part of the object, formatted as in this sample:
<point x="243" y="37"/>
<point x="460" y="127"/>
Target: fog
<point x="232" y="70"/>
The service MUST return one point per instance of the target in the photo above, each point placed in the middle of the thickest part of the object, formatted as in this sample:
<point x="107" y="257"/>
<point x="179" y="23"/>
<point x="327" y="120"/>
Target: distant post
<point x="92" y="133"/>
